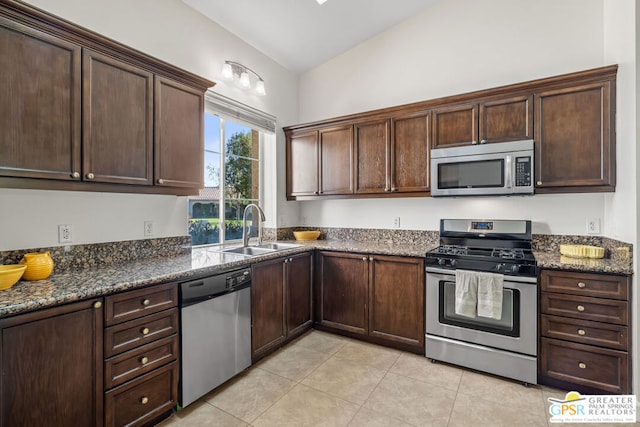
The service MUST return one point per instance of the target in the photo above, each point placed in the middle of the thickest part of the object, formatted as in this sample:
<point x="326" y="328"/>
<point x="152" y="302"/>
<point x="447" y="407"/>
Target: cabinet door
<point x="372" y="157"/>
<point x="52" y="367"/>
<point x="40" y="104"/>
<point x="336" y="158"/>
<point x="302" y="164"/>
<point x="298" y="279"/>
<point x="178" y="135"/>
<point x="117" y="133"/>
<point x="410" y="153"/>
<point x="267" y="306"/>
<point x="573" y="138"/>
<point x="455" y="126"/>
<point x="506" y="119"/>
<point x="396" y="300"/>
<point x="342" y="291"/>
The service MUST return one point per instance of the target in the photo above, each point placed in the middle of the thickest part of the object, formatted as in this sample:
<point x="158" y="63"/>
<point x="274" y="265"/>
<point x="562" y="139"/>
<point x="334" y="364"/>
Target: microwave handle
<point x="508" y="172"/>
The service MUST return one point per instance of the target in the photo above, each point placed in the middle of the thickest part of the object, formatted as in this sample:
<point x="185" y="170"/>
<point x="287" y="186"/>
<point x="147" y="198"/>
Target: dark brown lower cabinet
<point x="280" y="302"/>
<point x="52" y="367"/>
<point x="373" y="297"/>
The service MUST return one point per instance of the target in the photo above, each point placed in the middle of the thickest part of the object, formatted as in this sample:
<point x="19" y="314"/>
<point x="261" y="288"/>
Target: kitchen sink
<point x="265" y="248"/>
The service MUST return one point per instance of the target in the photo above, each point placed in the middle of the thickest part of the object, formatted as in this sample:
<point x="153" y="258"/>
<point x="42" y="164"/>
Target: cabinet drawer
<point x="600" y="368"/>
<point x="585" y="332"/>
<point x="126" y="336"/>
<point x="134" y="304"/>
<point x="585" y="308"/>
<point x="126" y="366"/>
<point x="585" y="284"/>
<point x="139" y="401"/>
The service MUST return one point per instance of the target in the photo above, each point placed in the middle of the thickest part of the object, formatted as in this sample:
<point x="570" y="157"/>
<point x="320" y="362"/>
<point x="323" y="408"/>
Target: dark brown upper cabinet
<point x="410" y="153"/>
<point x="336" y="158"/>
<point x="509" y="119"/>
<point x="179" y="134"/>
<point x="574" y="134"/>
<point x="81" y="112"/>
<point x="372" y="164"/>
<point x="117" y="132"/>
<point x="40" y="124"/>
<point x="302" y="164"/>
<point x="457" y="125"/>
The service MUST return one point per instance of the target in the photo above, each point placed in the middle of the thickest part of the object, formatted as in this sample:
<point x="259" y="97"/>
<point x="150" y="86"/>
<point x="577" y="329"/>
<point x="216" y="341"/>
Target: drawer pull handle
<point x="144" y="360"/>
<point x="581" y="285"/>
<point x="582" y="332"/>
<point x="364" y="258"/>
<point x="146" y="302"/>
<point x="582" y="365"/>
<point x="144" y="400"/>
<point x="580" y="308"/>
<point x="145" y="331"/>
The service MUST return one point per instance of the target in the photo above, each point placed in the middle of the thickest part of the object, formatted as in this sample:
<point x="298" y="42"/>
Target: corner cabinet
<point x="373" y="297"/>
<point x="281" y="302"/>
<point x="51" y="363"/>
<point x="83" y="112"/>
<point x="575" y="130"/>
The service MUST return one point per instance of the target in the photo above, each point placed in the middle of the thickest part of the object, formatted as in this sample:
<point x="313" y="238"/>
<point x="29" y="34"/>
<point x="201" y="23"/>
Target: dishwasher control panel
<point x="211" y="286"/>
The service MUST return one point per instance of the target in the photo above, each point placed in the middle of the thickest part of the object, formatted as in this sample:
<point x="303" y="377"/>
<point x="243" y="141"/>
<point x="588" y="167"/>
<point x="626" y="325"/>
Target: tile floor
<point x="323" y="379"/>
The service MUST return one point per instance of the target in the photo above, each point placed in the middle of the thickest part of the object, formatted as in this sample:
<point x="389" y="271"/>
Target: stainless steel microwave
<point x="502" y="168"/>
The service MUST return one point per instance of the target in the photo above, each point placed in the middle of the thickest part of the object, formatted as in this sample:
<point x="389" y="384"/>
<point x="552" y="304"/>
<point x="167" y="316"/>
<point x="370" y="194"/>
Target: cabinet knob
<point x="538" y="182"/>
<point x="316" y="192"/>
<point x="581" y="285"/>
<point x="146" y="302"/>
<point x="580" y="307"/>
<point x="394" y="188"/>
<point x="286" y="261"/>
<point x="582" y="365"/>
<point x="144" y="400"/>
<point x="144" y="360"/>
<point x="370" y="258"/>
<point x="160" y="181"/>
<point x="97" y="304"/>
<point x="90" y="175"/>
<point x="364" y="258"/>
<point x="582" y="332"/>
<point x="75" y="175"/>
<point x="145" y="331"/>
<point x="290" y="259"/>
<point x="484" y="141"/>
<point x="474" y="142"/>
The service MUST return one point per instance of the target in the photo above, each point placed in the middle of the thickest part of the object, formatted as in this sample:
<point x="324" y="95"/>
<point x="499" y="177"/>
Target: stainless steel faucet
<point x="245" y="235"/>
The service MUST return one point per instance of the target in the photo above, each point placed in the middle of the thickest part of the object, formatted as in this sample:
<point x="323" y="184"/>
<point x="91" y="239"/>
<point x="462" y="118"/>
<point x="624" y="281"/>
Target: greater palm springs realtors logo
<point x="576" y="408"/>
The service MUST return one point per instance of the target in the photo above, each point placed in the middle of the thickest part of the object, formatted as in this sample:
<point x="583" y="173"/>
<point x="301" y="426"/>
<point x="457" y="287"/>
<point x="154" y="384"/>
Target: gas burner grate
<point x="507" y="253"/>
<point x="453" y="250"/>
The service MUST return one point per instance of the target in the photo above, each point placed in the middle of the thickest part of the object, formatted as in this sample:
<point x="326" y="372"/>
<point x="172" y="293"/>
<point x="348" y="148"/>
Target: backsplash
<point x="77" y="257"/>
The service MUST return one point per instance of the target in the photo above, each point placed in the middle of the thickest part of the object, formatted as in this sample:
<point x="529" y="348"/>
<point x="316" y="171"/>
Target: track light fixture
<point x="233" y="70"/>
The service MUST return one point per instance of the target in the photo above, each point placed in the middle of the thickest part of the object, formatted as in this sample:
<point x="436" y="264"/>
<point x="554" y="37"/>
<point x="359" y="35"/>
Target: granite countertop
<point x="94" y="282"/>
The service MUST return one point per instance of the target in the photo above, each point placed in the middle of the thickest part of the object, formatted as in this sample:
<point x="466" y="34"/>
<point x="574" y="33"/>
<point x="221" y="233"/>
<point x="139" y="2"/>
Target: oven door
<point x="515" y="331"/>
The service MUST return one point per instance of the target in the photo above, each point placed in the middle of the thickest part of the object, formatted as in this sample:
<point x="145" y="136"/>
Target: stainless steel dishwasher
<point x="216" y="331"/>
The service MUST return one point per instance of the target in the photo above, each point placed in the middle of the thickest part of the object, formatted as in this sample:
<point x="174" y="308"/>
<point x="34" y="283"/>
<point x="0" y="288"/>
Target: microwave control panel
<point x="523" y="171"/>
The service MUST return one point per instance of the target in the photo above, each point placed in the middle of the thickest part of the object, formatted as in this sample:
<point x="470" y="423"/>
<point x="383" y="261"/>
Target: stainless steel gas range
<point x="505" y="344"/>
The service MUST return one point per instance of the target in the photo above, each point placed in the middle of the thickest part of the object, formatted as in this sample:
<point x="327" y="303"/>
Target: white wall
<point x="171" y="31"/>
<point x="453" y="47"/>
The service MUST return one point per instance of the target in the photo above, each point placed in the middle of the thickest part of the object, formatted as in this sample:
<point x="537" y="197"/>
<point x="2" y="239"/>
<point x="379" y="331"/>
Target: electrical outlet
<point x="396" y="222"/>
<point x="593" y="225"/>
<point x="65" y="234"/>
<point x="148" y="228"/>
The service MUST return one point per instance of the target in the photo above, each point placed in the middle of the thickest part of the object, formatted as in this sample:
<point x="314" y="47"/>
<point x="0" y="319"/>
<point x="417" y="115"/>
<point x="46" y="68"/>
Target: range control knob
<point x="441" y="261"/>
<point x="515" y="268"/>
<point x="453" y="262"/>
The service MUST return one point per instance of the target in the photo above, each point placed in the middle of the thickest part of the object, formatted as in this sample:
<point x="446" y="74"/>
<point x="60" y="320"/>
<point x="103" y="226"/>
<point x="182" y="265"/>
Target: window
<point x="232" y="135"/>
<point x="231" y="176"/>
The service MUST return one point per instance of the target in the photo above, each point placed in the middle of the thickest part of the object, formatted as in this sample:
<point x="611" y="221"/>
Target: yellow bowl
<point x="582" y="251"/>
<point x="306" y="235"/>
<point x="10" y="274"/>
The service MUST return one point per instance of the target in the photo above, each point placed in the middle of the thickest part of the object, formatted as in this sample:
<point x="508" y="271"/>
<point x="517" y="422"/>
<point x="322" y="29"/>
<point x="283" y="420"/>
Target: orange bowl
<point x="306" y="235"/>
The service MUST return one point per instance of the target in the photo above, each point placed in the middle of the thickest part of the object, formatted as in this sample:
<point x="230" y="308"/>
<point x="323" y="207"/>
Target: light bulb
<point x="227" y="71"/>
<point x="260" y="88"/>
<point x="244" y="80"/>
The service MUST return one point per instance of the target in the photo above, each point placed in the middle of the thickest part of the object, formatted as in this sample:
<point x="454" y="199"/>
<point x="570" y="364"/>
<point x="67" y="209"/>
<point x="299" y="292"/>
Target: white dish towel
<point x="466" y="293"/>
<point x="490" y="295"/>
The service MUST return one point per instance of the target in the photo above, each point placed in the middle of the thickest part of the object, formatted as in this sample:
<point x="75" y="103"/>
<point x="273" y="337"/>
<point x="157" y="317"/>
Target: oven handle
<point x="520" y="279"/>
